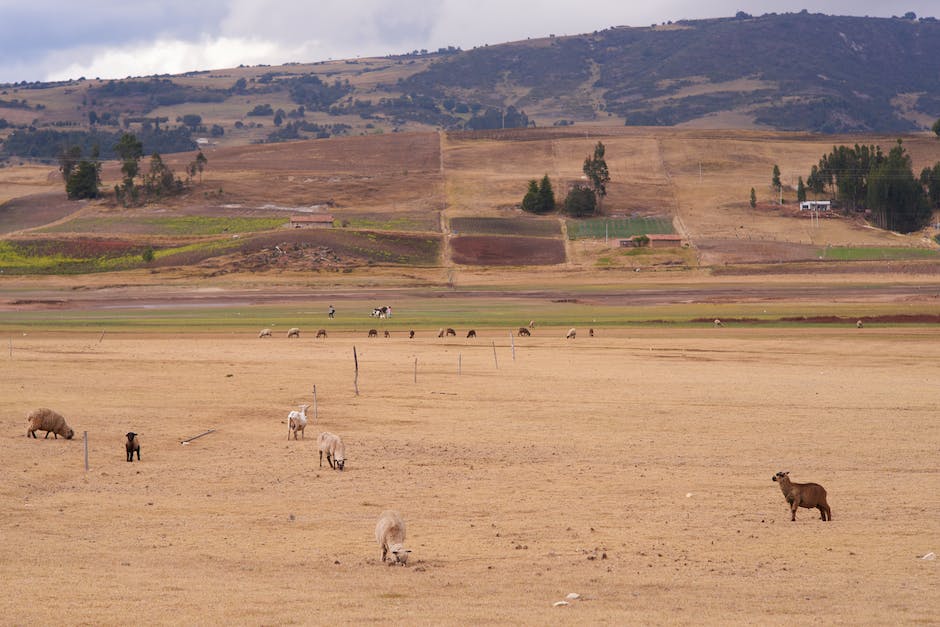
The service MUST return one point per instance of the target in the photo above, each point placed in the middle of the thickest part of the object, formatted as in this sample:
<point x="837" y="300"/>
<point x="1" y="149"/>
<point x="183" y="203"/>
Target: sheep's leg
<point x="824" y="512"/>
<point x="321" y="459"/>
<point x="330" y="461"/>
<point x="384" y="552"/>
<point x="138" y="455"/>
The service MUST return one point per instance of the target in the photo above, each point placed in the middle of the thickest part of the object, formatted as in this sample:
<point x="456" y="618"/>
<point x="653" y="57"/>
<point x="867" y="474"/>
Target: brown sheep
<point x="450" y="333"/>
<point x="471" y="334"/>
<point x="44" y="419"/>
<point x="411" y="334"/>
<point x="321" y="333"/>
<point x="132" y="445"/>
<point x="373" y="333"/>
<point x="523" y="332"/>
<point x="387" y="334"/>
<point x="590" y="332"/>
<point x="807" y="495"/>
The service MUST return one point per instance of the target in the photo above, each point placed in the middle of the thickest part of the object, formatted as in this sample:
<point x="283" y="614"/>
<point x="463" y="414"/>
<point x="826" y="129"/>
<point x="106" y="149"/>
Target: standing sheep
<point x="132" y="445"/>
<point x="808" y="495"/>
<point x="293" y="332"/>
<point x="265" y="333"/>
<point x="390" y="534"/>
<point x="572" y="333"/>
<point x="297" y="421"/>
<point x="44" y="419"/>
<point x="334" y="448"/>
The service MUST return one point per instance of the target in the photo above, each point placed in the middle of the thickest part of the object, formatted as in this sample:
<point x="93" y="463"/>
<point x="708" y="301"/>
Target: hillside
<point x="802" y="72"/>
<point x="437" y="208"/>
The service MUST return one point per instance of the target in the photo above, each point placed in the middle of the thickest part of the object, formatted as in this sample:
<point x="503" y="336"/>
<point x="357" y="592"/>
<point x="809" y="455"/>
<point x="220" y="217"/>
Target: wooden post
<point x="512" y="344"/>
<point x="494" y="355"/>
<point x="314" y="403"/>
<point x="356" y="380"/>
<point x="86" y="451"/>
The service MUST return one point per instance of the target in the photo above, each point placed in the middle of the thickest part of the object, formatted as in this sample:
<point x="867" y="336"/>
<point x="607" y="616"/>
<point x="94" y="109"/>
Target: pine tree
<point x="546" y="196"/>
<point x="800" y="190"/>
<point x="530" y="201"/>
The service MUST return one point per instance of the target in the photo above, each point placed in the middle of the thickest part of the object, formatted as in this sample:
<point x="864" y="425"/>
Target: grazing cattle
<point x="321" y="333"/>
<point x="373" y="333"/>
<point x="471" y="334"/>
<point x="524" y="332"/>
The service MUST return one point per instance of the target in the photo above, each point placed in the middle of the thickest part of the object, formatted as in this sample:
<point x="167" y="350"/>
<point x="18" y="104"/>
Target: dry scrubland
<point x="633" y="468"/>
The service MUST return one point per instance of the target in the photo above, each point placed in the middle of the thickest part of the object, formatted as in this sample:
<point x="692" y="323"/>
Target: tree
<point x="201" y="163"/>
<point x="580" y="202"/>
<point x="159" y="180"/>
<point x="936" y="127"/>
<point x="775" y="181"/>
<point x="82" y="176"/>
<point x="930" y="180"/>
<point x="192" y="121"/>
<point x="68" y="159"/>
<point x="800" y="190"/>
<point x="530" y="201"/>
<point x="895" y="197"/>
<point x="546" y="196"/>
<point x="595" y="169"/>
<point x="753" y="198"/>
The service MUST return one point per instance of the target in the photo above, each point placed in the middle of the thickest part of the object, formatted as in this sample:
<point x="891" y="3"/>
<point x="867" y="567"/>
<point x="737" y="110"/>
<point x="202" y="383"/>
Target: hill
<point x="802" y="72"/>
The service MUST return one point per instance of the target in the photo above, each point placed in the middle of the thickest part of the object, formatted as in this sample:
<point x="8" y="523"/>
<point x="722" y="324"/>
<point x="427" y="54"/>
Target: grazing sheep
<point x="390" y="534"/>
<point x="859" y="324"/>
<point x="265" y="333"/>
<point x="807" y="495"/>
<point x="387" y="334"/>
<point x="531" y="324"/>
<point x="440" y="333"/>
<point x="524" y="332"/>
<point x="572" y="333"/>
<point x="334" y="448"/>
<point x="293" y="332"/>
<point x="450" y="333"/>
<point x="471" y="333"/>
<point x="297" y="421"/>
<point x="373" y="333"/>
<point x="321" y="333"/>
<point x="49" y="421"/>
<point x="718" y="323"/>
<point x="590" y="332"/>
<point x="132" y="445"/>
<point x="411" y="334"/>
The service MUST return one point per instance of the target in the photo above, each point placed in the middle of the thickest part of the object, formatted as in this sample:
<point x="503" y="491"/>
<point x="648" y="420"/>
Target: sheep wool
<point x="44" y="419"/>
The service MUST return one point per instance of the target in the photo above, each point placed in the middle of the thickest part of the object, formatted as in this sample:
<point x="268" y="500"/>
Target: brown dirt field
<point x="633" y="468"/>
<point x="494" y="250"/>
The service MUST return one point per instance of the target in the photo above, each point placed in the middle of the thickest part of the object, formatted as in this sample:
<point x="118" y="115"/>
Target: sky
<point x="48" y="40"/>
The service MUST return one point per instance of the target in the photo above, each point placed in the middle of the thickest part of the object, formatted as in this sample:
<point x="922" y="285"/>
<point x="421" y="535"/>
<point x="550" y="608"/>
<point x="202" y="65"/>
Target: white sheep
<point x="44" y="419"/>
<point x="297" y="421"/>
<point x="293" y="332"/>
<point x="390" y="534"/>
<point x="334" y="448"/>
<point x="718" y="323"/>
<point x="265" y="333"/>
<point x="859" y="324"/>
<point x="572" y="333"/>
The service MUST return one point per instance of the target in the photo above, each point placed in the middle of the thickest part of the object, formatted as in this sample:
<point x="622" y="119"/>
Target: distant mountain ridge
<point x="794" y="71"/>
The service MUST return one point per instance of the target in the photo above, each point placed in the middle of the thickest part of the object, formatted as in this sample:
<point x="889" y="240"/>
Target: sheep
<point x="334" y="448"/>
<point x="49" y="421"/>
<point x="531" y="324"/>
<point x="718" y="323"/>
<point x="373" y="333"/>
<point x="265" y="333"/>
<point x="386" y="334"/>
<point x="572" y="333"/>
<point x="471" y="334"/>
<point x="450" y="332"/>
<point x="411" y="334"/>
<point x="440" y="333"/>
<point x="132" y="444"/>
<point x="523" y="332"/>
<point x="297" y="421"/>
<point x="293" y="332"/>
<point x="591" y="332"/>
<point x="390" y="534"/>
<point x="807" y="495"/>
<point x="859" y="324"/>
<point x="321" y="333"/>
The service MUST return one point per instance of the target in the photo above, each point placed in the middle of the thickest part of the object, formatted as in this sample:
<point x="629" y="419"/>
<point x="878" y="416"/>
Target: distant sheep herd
<point x="390" y="528"/>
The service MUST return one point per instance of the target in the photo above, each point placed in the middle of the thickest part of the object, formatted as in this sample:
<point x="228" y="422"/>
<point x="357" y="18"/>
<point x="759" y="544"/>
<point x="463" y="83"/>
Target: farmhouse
<point x="319" y="220"/>
<point x="815" y="205"/>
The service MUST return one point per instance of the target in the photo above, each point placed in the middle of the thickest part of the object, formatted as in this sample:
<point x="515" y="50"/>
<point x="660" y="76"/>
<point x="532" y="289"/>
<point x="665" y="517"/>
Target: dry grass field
<point x="633" y="468"/>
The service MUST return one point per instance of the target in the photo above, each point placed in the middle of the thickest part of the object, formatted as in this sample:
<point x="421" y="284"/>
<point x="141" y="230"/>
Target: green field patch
<point x="851" y="253"/>
<point x="599" y="228"/>
<point x="166" y="225"/>
<point x="527" y="227"/>
<point x="380" y="222"/>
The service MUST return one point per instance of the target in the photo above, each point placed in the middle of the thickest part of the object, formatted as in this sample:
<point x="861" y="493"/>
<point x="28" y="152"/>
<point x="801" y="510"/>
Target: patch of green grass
<point x="392" y="224"/>
<point x="167" y="225"/>
<point x="620" y="228"/>
<point x="847" y="253"/>
<point x="506" y="226"/>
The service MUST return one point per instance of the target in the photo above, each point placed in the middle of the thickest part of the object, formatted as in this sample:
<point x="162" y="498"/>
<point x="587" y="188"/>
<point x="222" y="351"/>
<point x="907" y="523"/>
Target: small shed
<point x="665" y="240"/>
<point x="816" y="205"/>
<point x="317" y="220"/>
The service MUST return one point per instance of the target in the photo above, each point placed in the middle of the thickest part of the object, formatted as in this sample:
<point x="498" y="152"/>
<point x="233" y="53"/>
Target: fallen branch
<point x="188" y="440"/>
